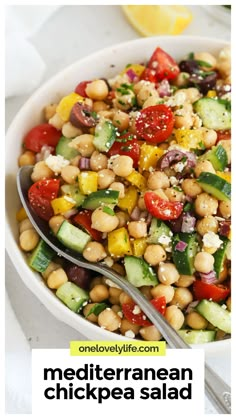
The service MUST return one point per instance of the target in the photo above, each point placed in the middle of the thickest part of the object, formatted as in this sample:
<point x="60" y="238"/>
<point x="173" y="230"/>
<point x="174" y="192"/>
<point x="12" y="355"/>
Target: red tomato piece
<point x="126" y="145"/>
<point x="41" y="194"/>
<point x="83" y="219"/>
<point x="155" y="123"/>
<point x="164" y="65"/>
<point x="43" y="134"/>
<point x="162" y="209"/>
<point x="81" y="87"/>
<point x="223" y="135"/>
<point x="140" y="318"/>
<point x="217" y="293"/>
<point x="149" y="75"/>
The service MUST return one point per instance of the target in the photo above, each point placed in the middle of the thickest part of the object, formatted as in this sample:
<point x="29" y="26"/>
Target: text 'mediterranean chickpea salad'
<point x="135" y="172"/>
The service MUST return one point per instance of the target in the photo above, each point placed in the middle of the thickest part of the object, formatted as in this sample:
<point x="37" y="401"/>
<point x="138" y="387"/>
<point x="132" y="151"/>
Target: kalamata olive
<point x="174" y="156"/>
<point x="79" y="276"/>
<point x="176" y="225"/>
<point x="204" y="83"/>
<point x="189" y="66"/>
<point x="82" y="116"/>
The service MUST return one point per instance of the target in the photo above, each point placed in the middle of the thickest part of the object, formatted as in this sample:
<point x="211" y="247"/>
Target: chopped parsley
<point x="108" y="210"/>
<point x="97" y="309"/>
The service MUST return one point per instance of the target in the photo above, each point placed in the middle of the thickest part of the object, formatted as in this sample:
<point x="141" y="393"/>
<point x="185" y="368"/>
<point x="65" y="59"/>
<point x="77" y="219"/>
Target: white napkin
<point x="24" y="67"/>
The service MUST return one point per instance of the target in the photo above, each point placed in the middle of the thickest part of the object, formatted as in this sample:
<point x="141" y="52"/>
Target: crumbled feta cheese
<point x="179" y="167"/>
<point x="136" y="310"/>
<point x="112" y="284"/>
<point x="165" y="240"/>
<point x="56" y="163"/>
<point x="173" y="181"/>
<point x="212" y="240"/>
<point x="69" y="199"/>
<point x="109" y="261"/>
<point x="130" y="334"/>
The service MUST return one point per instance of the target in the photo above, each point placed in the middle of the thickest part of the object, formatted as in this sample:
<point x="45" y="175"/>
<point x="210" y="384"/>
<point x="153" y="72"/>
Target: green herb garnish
<point x="108" y="210"/>
<point x="97" y="309"/>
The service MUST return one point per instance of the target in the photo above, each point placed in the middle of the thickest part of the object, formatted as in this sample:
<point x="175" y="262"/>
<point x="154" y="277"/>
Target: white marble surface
<point x="71" y="33"/>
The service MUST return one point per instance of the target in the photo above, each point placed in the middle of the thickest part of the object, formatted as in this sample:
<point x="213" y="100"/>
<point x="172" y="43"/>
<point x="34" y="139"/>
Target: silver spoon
<point x="218" y="392"/>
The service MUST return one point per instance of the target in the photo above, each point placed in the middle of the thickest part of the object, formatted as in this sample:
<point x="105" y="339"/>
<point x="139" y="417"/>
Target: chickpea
<point x="25" y="225"/>
<point x="122" y="166"/>
<point x="154" y="254"/>
<point x="146" y="92"/>
<point x="91" y="317"/>
<point x="70" y="131"/>
<point x="121" y="120"/>
<point x="124" y="102"/>
<point x="146" y="290"/>
<point x="151" y="101"/>
<point x="205" y="205"/>
<point x="29" y="240"/>
<point x="150" y="333"/>
<point x="114" y="295"/>
<point x="27" y="158"/>
<point x="180" y="99"/>
<point x="181" y="80"/>
<point x="99" y="105"/>
<point x="98" y="280"/>
<point x="225" y="209"/>
<point x="125" y="298"/>
<point x="84" y="144"/>
<point x="226" y="144"/>
<point x="161" y="194"/>
<point x="49" y="111"/>
<point x="166" y="291"/>
<point x="196" y="321"/>
<point x="185" y="281"/>
<point x="105" y="178"/>
<point x="94" y="252"/>
<point x="104" y="222"/>
<point x="167" y="273"/>
<point x="119" y="269"/>
<point x="182" y="297"/>
<point x="183" y="118"/>
<point x="174" y="196"/>
<point x="56" y="121"/>
<point x="98" y="161"/>
<point x="175" y="317"/>
<point x="109" y="320"/>
<point x="224" y="62"/>
<point x="137" y="229"/>
<point x="203" y="166"/>
<point x="141" y="203"/>
<point x="209" y="137"/>
<point x="207" y="58"/>
<point x="56" y="279"/>
<point x="204" y="262"/>
<point x="56" y="222"/>
<point x="140" y="84"/>
<point x="117" y="309"/>
<point x="97" y="90"/>
<point x="158" y="180"/>
<point x="99" y="293"/>
<point x="41" y="171"/>
<point x="228" y="303"/>
<point x="192" y="94"/>
<point x="118" y="186"/>
<point x="70" y="174"/>
<point x="123" y="218"/>
<point x="191" y="187"/>
<point x="207" y="224"/>
<point x="53" y="266"/>
<point x="106" y="114"/>
<point x="126" y="325"/>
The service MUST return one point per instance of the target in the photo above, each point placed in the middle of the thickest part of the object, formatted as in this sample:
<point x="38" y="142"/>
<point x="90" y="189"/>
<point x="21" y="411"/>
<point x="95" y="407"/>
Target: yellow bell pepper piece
<point x="136" y="179"/>
<point x="88" y="182"/>
<point x="211" y="93"/>
<point x="130" y="199"/>
<point x="21" y="215"/>
<point x="119" y="243"/>
<point x="66" y="104"/>
<point x="139" y="246"/>
<point x="138" y="69"/>
<point x="189" y="138"/>
<point x="224" y="175"/>
<point x="149" y="156"/>
<point x="61" y="205"/>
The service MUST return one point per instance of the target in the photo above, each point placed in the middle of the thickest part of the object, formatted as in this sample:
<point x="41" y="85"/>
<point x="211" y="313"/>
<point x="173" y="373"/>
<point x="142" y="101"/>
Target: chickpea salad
<point x="134" y="172"/>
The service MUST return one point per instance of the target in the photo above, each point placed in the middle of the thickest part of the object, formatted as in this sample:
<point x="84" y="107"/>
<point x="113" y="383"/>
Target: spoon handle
<point x="217" y="391"/>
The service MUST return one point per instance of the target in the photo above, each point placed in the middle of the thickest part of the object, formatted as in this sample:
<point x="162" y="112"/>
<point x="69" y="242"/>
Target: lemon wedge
<point x="158" y="20"/>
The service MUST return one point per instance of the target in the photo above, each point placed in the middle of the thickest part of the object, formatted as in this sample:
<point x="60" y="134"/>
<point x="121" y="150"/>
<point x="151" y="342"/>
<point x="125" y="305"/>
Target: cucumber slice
<point x="215" y="185"/>
<point x="217" y="156"/>
<point x="41" y="257"/>
<point x="72" y="237"/>
<point x="214" y="113"/>
<point x="197" y="336"/>
<point x="72" y="296"/>
<point x="220" y="256"/>
<point x="105" y="135"/>
<point x="95" y="199"/>
<point x="139" y="273"/>
<point x="215" y="314"/>
<point x="183" y="260"/>
<point x="64" y="150"/>
<point x="74" y="192"/>
<point x="157" y="230"/>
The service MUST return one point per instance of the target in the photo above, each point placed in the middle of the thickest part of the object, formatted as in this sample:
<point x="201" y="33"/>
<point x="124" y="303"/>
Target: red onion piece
<point x="84" y="163"/>
<point x="224" y="228"/>
<point x="181" y="246"/>
<point x="135" y="214"/>
<point x="174" y="156"/>
<point x="70" y="213"/>
<point x="191" y="306"/>
<point x="164" y="88"/>
<point x="209" y="278"/>
<point x="44" y="153"/>
<point x="131" y="74"/>
<point x="188" y="223"/>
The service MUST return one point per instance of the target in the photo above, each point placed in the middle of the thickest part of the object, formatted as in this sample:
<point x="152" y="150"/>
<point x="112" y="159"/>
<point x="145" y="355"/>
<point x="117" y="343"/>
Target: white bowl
<point x="104" y="63"/>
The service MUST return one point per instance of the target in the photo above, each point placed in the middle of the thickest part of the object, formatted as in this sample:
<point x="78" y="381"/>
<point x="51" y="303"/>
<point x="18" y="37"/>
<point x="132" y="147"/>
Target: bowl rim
<point x="45" y="296"/>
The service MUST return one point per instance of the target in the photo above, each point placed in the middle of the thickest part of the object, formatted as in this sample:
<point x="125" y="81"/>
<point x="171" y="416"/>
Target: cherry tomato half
<point x="81" y="87"/>
<point x="155" y="123"/>
<point x="140" y="318"/>
<point x="159" y="208"/>
<point x="41" y="194"/>
<point x="43" y="134"/>
<point x="217" y="293"/>
<point x="126" y="145"/>
<point x="83" y="219"/>
<point x="149" y="75"/>
<point x="164" y="65"/>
